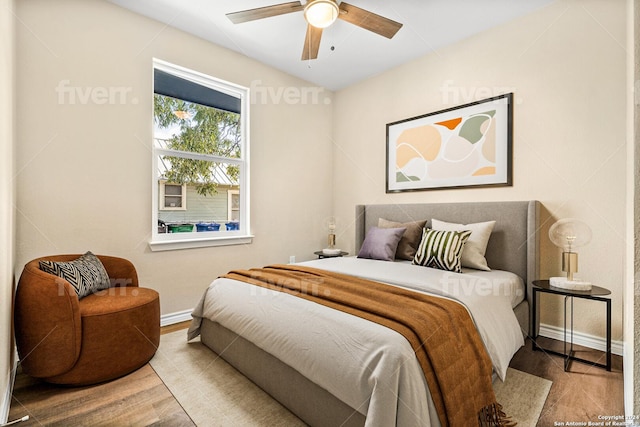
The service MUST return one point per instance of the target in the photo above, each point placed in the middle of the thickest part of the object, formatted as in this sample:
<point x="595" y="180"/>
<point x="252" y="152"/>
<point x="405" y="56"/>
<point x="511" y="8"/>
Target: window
<point x="200" y="160"/>
<point x="233" y="204"/>
<point x="173" y="197"/>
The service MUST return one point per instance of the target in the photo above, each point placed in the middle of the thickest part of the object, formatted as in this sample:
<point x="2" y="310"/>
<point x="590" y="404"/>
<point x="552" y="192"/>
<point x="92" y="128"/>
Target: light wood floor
<point x="580" y="395"/>
<point x="141" y="399"/>
<point x="138" y="399"/>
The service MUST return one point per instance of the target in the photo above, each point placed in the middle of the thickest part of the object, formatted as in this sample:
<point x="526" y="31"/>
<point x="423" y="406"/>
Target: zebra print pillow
<point x="441" y="249"/>
<point x="86" y="274"/>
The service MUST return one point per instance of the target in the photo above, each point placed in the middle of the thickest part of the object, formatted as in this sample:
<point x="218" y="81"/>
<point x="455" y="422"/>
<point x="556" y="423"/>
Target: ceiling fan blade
<point x="311" y="43"/>
<point x="264" y="12"/>
<point x="369" y="20"/>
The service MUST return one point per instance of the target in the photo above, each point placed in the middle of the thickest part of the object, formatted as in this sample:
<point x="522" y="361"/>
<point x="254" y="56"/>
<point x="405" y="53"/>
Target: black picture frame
<point x="467" y="146"/>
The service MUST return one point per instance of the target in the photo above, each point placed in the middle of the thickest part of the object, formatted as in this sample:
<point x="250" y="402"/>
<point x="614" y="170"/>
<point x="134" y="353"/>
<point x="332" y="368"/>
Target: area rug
<point x="213" y="393"/>
<point x="522" y="396"/>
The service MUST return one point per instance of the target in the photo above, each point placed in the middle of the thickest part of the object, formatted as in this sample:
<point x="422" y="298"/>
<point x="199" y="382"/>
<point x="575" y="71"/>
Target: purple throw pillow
<point x="381" y="243"/>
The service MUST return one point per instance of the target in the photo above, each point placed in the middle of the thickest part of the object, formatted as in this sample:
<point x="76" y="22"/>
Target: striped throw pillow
<point x="441" y="249"/>
<point x="86" y="274"/>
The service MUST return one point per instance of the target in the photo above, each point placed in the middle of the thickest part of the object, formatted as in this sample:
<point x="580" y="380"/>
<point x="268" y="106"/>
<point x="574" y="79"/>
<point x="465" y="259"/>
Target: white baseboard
<point x="6" y="402"/>
<point x="177" y="317"/>
<point x="580" y="338"/>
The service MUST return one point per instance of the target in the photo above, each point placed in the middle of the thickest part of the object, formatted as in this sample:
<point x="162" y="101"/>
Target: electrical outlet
<point x="292" y="259"/>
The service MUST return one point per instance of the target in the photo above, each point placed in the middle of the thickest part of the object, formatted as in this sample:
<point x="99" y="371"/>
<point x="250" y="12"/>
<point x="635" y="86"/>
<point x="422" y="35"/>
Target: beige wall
<point x="6" y="200"/>
<point x="566" y="66"/>
<point x="84" y="169"/>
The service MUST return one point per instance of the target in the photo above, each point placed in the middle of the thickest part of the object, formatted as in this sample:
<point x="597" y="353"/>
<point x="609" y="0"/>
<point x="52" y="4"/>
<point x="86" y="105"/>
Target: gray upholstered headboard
<point x="514" y="242"/>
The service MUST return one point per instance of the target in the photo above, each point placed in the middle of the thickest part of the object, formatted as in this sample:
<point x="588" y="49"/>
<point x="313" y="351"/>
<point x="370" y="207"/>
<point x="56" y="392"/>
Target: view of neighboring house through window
<point x="200" y="159"/>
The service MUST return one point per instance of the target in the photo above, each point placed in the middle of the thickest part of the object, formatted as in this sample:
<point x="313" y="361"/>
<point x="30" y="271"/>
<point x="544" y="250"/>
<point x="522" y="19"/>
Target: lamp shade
<point x="570" y="233"/>
<point x="321" y="13"/>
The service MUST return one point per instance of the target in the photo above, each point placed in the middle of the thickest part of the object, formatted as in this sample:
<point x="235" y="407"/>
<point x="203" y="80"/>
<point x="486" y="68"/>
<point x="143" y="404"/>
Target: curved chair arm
<point x="47" y="323"/>
<point x="121" y="271"/>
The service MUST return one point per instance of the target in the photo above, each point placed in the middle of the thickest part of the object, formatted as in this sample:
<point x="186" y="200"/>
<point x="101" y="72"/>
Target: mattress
<point x="495" y="282"/>
<point x="367" y="366"/>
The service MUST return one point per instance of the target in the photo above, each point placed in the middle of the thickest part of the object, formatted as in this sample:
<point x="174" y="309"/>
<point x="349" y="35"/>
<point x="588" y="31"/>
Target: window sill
<point x="176" y="244"/>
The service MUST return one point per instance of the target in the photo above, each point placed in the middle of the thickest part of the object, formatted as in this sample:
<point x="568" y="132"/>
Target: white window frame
<point x="162" y="205"/>
<point x="174" y="241"/>
<point x="230" y="210"/>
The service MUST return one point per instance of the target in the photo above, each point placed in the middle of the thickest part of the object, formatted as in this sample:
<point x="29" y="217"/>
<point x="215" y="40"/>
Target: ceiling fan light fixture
<point x="321" y="13"/>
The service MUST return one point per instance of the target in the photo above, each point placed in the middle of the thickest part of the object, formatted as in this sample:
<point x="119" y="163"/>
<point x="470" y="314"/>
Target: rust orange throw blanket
<point x="447" y="345"/>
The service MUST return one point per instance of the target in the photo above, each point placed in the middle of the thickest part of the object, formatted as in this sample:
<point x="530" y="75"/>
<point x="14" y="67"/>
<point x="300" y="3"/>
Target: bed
<point x="322" y="392"/>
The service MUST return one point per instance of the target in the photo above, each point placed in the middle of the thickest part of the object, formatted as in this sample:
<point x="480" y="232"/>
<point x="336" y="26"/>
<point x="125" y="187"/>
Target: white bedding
<point x="496" y="282"/>
<point x="486" y="294"/>
<point x="369" y="367"/>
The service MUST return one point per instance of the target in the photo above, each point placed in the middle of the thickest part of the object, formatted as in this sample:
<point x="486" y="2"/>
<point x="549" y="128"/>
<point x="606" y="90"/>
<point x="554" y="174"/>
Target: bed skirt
<point x="311" y="403"/>
<point x="522" y="314"/>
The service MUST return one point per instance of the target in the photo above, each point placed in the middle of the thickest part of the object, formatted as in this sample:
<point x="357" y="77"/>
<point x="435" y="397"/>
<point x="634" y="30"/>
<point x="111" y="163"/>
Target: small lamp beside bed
<point x="569" y="234"/>
<point x="331" y="240"/>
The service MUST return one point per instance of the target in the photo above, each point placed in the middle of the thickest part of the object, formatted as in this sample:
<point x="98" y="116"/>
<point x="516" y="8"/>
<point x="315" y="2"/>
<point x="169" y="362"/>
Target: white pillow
<point x="475" y="248"/>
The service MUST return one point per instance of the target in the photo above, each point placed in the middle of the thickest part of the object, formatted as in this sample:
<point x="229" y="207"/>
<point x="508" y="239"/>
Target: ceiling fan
<point x="319" y="14"/>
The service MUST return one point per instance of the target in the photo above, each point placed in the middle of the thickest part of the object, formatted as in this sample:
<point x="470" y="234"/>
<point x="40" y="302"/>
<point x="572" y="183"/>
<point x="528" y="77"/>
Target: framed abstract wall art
<point x="460" y="147"/>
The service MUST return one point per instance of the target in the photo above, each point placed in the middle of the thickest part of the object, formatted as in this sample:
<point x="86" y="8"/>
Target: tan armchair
<point x="65" y="340"/>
